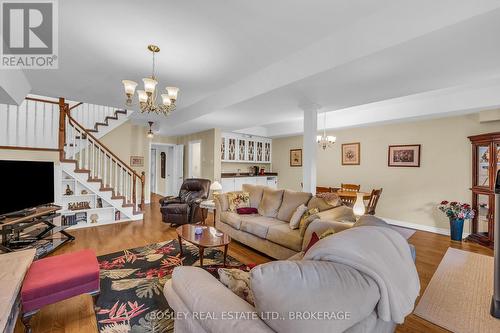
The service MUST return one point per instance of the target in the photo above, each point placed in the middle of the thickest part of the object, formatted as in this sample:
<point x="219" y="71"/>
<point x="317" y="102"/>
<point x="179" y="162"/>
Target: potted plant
<point x="457" y="212"/>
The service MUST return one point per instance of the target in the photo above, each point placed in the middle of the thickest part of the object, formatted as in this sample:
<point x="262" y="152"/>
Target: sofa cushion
<point x="292" y="200"/>
<point x="255" y="192"/>
<point x="231" y="218"/>
<point x="258" y="225"/>
<point x="282" y="235"/>
<point x="309" y="286"/>
<point x="271" y="202"/>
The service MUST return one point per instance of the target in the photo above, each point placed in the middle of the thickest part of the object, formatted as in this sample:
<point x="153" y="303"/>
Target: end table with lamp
<point x="209" y="205"/>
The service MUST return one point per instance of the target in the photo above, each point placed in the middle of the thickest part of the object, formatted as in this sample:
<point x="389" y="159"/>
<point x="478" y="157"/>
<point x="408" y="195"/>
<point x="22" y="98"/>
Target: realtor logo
<point x="29" y="34"/>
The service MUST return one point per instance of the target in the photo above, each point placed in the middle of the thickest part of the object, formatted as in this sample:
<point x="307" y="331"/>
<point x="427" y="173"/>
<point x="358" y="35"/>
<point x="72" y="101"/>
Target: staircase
<point x="90" y="170"/>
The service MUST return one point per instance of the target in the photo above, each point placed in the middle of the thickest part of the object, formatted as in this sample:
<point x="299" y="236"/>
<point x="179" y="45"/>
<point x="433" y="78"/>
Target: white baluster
<point x="116" y="178"/>
<point x="80" y="152"/>
<point x="73" y="139"/>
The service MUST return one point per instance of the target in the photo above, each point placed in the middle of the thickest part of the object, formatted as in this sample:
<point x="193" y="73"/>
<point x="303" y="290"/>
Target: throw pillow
<point x="330" y="198"/>
<point x="314" y="240"/>
<point x="340" y="214"/>
<point x="271" y="202"/>
<point x="320" y="203"/>
<point x="238" y="200"/>
<point x="297" y="215"/>
<point x="238" y="282"/>
<point x="246" y="210"/>
<point x="307" y="218"/>
<point x="327" y="233"/>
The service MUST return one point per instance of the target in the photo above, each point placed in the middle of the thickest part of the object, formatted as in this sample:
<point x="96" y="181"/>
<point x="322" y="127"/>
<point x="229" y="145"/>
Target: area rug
<point x="459" y="294"/>
<point x="132" y="283"/>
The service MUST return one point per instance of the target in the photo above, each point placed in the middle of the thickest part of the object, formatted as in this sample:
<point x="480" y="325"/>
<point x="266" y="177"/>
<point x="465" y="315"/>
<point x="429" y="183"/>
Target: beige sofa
<point x="269" y="231"/>
<point x="324" y="282"/>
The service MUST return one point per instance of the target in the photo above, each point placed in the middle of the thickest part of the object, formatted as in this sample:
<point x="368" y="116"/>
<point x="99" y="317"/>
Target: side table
<point x="207" y="206"/>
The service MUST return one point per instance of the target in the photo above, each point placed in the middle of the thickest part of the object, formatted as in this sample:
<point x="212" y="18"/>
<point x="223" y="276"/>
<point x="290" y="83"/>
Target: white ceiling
<point x="250" y="64"/>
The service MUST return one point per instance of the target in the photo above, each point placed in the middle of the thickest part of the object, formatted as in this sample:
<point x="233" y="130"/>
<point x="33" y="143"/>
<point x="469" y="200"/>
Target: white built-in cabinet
<point x="243" y="148"/>
<point x="231" y="184"/>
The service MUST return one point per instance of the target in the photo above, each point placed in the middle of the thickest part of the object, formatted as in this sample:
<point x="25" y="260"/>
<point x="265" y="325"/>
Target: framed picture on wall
<point x="404" y="156"/>
<point x="136" y="161"/>
<point x="295" y="157"/>
<point x="351" y="153"/>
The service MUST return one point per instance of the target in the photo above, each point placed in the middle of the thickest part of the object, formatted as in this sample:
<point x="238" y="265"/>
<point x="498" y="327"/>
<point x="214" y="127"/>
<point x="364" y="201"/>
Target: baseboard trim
<point x="436" y="230"/>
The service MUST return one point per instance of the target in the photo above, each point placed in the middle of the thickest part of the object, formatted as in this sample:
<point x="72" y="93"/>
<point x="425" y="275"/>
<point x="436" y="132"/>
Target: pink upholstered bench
<point x="57" y="278"/>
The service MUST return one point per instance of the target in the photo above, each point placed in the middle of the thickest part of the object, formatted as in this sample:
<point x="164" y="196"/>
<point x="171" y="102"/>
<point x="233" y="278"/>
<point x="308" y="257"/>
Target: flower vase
<point x="456" y="229"/>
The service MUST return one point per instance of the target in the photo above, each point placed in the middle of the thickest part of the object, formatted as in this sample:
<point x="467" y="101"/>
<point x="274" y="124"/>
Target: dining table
<point x="352" y="194"/>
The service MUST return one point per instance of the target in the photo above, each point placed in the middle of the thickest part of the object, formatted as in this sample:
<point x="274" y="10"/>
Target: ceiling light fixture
<point x="325" y="141"/>
<point x="150" y="133"/>
<point x="147" y="97"/>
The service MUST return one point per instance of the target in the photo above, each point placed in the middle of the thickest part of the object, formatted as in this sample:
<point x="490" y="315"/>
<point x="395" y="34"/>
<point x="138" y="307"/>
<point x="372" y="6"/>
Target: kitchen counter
<point x="246" y="174"/>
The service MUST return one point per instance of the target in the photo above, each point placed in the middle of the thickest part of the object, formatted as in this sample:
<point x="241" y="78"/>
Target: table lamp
<point x="216" y="187"/>
<point x="359" y="206"/>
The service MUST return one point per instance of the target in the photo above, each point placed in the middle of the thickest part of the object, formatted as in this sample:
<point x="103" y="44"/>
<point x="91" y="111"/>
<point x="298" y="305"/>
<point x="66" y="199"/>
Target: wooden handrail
<point x="75" y="106"/>
<point x="41" y="100"/>
<point x="108" y="151"/>
<point x="62" y="127"/>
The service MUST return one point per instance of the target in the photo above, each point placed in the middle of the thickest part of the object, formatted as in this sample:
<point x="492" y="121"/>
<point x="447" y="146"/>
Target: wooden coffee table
<point x="206" y="239"/>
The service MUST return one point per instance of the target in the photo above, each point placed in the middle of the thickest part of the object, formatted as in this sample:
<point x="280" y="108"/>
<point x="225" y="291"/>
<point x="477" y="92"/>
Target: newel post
<point x="143" y="182"/>
<point x="62" y="127"/>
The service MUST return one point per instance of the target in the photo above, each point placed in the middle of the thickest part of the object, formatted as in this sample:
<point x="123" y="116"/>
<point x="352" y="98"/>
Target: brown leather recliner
<point x="185" y="208"/>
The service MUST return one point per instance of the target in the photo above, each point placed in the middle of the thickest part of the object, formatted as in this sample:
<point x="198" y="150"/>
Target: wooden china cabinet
<point x="485" y="163"/>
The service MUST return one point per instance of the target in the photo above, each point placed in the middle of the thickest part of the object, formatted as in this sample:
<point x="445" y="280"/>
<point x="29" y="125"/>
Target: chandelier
<point x="325" y="141"/>
<point x="148" y="96"/>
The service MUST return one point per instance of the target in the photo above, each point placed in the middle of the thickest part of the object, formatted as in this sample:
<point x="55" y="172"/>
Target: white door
<point x="194" y="159"/>
<point x="152" y="172"/>
<point x="171" y="185"/>
<point x="178" y="172"/>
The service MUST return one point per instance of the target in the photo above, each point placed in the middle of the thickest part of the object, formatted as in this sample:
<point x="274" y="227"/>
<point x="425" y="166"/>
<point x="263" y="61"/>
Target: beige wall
<point x="131" y="140"/>
<point x="209" y="156"/>
<point x="410" y="194"/>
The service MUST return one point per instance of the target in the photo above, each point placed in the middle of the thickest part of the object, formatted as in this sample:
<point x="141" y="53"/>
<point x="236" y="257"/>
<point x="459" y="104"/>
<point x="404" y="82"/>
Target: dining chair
<point x="322" y="189"/>
<point x="350" y="187"/>
<point x="372" y="203"/>
<point x="348" y="201"/>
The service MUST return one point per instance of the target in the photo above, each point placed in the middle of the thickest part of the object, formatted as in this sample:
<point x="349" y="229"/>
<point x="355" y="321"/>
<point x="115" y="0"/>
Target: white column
<point x="309" y="147"/>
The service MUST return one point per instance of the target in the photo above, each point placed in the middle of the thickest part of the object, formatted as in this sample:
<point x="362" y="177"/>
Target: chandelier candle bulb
<point x="143" y="97"/>
<point x="166" y="99"/>
<point x="129" y="87"/>
<point x="149" y="85"/>
<point x="172" y="92"/>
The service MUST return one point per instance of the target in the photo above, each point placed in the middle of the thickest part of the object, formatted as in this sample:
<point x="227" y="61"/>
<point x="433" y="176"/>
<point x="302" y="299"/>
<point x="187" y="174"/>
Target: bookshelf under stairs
<point x="113" y="192"/>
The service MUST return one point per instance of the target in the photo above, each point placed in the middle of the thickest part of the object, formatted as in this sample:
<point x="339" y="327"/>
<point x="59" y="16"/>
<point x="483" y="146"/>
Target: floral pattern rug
<point x="132" y="281"/>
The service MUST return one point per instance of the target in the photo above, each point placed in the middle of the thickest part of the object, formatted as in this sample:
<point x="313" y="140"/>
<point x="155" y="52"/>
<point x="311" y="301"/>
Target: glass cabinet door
<point x="251" y="150"/>
<point x="267" y="152"/>
<point x="231" y="149"/>
<point x="241" y="149"/>
<point x="483" y="165"/>
<point x="259" y="152"/>
<point x="223" y="149"/>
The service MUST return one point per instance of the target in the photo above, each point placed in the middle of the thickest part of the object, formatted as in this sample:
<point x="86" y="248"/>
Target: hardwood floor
<point x="76" y="314"/>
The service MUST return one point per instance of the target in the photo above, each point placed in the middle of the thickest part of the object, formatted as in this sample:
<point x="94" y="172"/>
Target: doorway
<point x="166" y="164"/>
<point x="152" y="171"/>
<point x="194" y="160"/>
